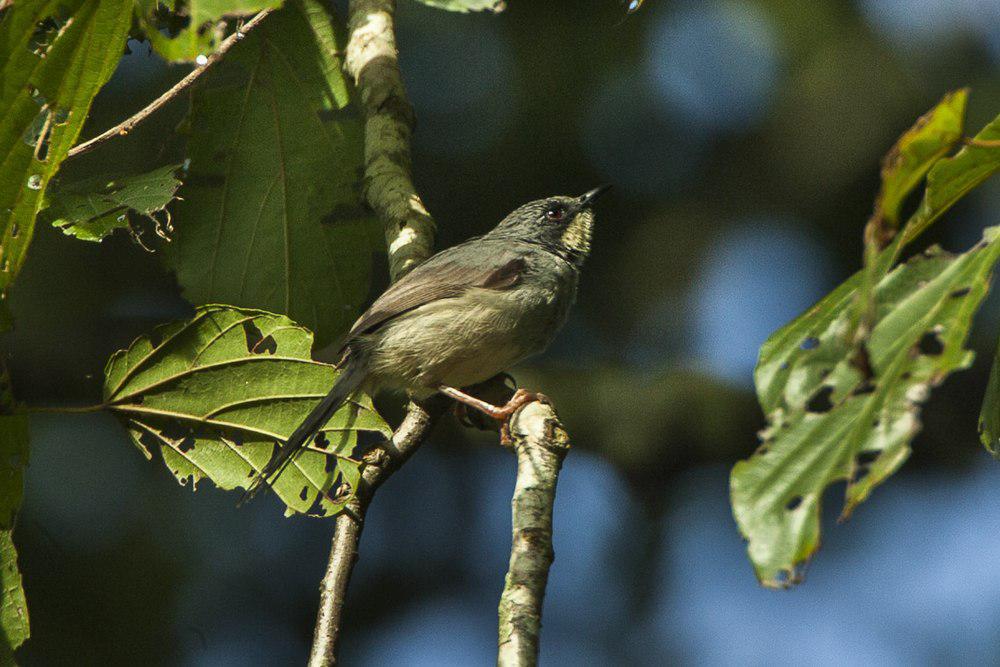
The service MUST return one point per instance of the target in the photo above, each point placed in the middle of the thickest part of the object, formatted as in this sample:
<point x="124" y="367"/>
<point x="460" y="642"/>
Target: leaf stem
<point x="63" y="409"/>
<point x="129" y="124"/>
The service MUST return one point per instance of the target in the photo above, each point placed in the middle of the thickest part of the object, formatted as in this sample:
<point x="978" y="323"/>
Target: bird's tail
<point x="350" y="379"/>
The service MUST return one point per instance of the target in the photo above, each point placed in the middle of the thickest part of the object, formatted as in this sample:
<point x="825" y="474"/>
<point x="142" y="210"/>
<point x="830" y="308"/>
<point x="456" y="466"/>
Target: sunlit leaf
<point x="952" y="178"/>
<point x="906" y="164"/>
<point x="13" y="606"/>
<point x="909" y="160"/>
<point x="48" y="79"/>
<point x="829" y="423"/>
<point x="948" y="180"/>
<point x="92" y="208"/>
<point x="467" y="5"/>
<point x="14" y="628"/>
<point x="215" y="395"/>
<point x="201" y="24"/>
<point x="270" y="215"/>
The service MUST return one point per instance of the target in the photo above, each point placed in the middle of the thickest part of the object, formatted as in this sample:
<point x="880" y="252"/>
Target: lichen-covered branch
<point x="541" y="443"/>
<point x="378" y="464"/>
<point x="373" y="64"/>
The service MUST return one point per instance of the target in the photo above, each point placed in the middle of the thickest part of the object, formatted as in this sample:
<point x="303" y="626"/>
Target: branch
<point x="373" y="63"/>
<point x="541" y="443"/>
<point x="377" y="465"/>
<point x="126" y="126"/>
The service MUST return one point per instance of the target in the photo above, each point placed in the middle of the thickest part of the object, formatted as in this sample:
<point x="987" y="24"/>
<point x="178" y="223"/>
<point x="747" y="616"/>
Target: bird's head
<point x="561" y="224"/>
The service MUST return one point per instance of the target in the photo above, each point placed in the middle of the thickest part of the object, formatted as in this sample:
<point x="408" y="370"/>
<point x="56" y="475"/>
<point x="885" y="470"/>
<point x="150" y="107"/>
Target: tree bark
<point x="372" y="61"/>
<point x="378" y="464"/>
<point x="541" y="444"/>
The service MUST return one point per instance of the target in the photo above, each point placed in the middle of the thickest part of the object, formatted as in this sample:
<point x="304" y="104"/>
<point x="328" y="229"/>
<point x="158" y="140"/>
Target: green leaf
<point x="270" y="215"/>
<point x="989" y="417"/>
<point x="203" y="31"/>
<point x="948" y="180"/>
<point x="47" y="83"/>
<point x="828" y="422"/>
<point x="14" y="628"/>
<point x="465" y="6"/>
<point x="952" y="178"/>
<point x="909" y="160"/>
<point x="906" y="164"/>
<point x="218" y="393"/>
<point x="13" y="459"/>
<point x="92" y="208"/>
<point x="13" y="606"/>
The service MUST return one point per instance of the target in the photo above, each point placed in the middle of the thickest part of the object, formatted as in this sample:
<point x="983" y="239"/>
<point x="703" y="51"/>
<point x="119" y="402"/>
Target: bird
<point x="465" y="315"/>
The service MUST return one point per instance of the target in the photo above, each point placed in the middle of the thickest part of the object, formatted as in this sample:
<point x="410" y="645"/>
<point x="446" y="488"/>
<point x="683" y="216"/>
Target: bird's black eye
<point x="555" y="212"/>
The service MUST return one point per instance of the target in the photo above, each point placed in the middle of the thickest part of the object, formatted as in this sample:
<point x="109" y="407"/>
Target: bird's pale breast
<point x="470" y="338"/>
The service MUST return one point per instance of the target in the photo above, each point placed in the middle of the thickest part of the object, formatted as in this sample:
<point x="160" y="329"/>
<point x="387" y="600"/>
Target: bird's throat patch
<point x="576" y="237"/>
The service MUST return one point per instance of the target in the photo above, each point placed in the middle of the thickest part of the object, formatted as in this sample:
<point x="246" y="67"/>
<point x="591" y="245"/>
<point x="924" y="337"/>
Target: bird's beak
<point x="588" y="197"/>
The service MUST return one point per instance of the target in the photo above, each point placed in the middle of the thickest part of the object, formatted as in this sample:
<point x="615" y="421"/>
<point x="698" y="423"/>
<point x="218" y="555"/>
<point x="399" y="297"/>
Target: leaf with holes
<point x="830" y="423"/>
<point x="270" y="216"/>
<point x="217" y="394"/>
<point x="13" y="606"/>
<point x="182" y="30"/>
<point x="92" y="208"/>
<point x="465" y="6"/>
<point x="13" y="458"/>
<point x="54" y="57"/>
<point x="947" y="181"/>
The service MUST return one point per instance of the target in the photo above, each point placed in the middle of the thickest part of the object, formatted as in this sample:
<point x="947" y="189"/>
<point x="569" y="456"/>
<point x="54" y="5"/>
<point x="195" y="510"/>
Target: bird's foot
<point x="501" y="413"/>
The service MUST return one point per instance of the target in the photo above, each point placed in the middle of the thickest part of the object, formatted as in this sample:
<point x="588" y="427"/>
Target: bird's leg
<point x="501" y="413"/>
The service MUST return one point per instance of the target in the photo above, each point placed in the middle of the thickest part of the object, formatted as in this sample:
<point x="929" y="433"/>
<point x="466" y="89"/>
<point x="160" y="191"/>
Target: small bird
<point x="463" y="316"/>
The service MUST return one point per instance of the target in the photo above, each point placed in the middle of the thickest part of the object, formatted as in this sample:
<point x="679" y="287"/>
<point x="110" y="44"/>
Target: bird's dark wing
<point x="448" y="274"/>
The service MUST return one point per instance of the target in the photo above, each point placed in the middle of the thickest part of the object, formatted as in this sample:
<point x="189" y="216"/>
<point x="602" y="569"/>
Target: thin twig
<point x="541" y="444"/>
<point x="372" y="62"/>
<point x="126" y="126"/>
<point x="378" y="465"/>
<point x="63" y="409"/>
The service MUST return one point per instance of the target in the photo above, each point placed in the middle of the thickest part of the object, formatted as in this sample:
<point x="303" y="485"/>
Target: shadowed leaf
<point x="270" y="215"/>
<point x="91" y="209"/>
<point x="217" y="394"/>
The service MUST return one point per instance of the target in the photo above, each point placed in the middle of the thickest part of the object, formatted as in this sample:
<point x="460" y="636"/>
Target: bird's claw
<point x="503" y="414"/>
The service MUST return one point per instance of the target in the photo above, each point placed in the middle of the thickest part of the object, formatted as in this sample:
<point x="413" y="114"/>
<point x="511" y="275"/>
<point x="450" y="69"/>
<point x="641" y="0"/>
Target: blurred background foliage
<point x="743" y="138"/>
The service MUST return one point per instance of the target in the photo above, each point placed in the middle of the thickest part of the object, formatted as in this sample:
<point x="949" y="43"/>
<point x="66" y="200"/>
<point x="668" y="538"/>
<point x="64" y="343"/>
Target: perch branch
<point x="377" y="465"/>
<point x="541" y="443"/>
<point x="373" y="64"/>
<point x="126" y="126"/>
